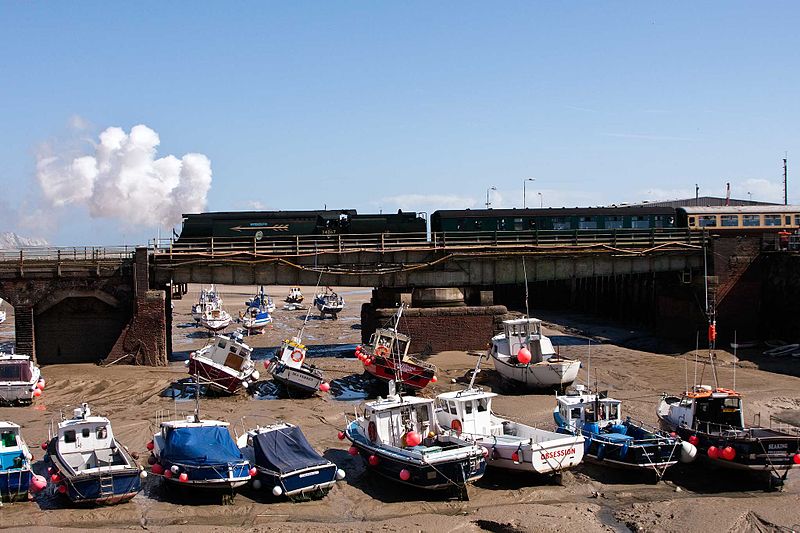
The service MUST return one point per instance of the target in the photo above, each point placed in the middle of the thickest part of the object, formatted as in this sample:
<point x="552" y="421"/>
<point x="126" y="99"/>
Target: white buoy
<point x="255" y="375"/>
<point x="175" y="469"/>
<point x="340" y="474"/>
<point x="186" y="363"/>
<point x="245" y="384"/>
<point x="143" y="474"/>
<point x="256" y="484"/>
<point x="277" y="490"/>
<point x="688" y="452"/>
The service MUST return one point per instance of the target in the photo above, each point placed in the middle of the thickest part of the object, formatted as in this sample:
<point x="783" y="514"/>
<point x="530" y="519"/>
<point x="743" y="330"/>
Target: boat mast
<point x="711" y="315"/>
<point x="395" y="354"/>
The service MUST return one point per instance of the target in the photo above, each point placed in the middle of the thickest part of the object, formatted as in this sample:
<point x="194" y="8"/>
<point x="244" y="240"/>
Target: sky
<point x="114" y="117"/>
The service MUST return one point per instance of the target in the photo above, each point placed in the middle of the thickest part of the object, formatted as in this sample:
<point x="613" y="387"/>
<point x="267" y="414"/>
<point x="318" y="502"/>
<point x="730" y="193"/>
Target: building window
<point x="729" y="220"/>
<point x="640" y="222"/>
<point x="613" y="222"/>
<point x="587" y="223"/>
<point x="751" y="220"/>
<point x="708" y="221"/>
<point x="772" y="220"/>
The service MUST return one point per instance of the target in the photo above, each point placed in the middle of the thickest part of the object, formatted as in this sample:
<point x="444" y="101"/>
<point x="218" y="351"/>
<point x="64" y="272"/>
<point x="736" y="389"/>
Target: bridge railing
<point x="57" y="254"/>
<point x="444" y="241"/>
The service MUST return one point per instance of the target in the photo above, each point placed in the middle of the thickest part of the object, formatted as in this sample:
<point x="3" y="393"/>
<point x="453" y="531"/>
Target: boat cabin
<point x="580" y="410"/>
<point x="709" y="410"/>
<point x="467" y="411"/>
<point x="15" y="368"/>
<point x="389" y="341"/>
<point x="524" y="333"/>
<point x="388" y="420"/>
<point x="12" y="455"/>
<point x="293" y="352"/>
<point x="86" y="442"/>
<point x="230" y="351"/>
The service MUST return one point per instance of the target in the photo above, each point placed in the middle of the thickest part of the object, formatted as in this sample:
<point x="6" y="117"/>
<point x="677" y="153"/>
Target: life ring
<point x="382" y="350"/>
<point x="297" y="355"/>
<point x="455" y="425"/>
<point x="372" y="431"/>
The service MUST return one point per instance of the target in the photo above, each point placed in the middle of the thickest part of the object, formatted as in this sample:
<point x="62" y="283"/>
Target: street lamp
<point x="488" y="203"/>
<point x="524" y="182"/>
<point x="749" y="196"/>
<point x="540" y="200"/>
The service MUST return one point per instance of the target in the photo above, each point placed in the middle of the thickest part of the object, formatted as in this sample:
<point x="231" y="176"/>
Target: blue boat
<point x="257" y="315"/>
<point x="199" y="454"/>
<point x="399" y="438"/>
<point x="89" y="466"/>
<point x="15" y="464"/>
<point x="286" y="463"/>
<point x="614" y="441"/>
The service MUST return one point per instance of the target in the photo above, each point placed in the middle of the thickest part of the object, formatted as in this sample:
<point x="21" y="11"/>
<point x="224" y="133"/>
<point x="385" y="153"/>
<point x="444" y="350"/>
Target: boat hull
<point x="601" y="448"/>
<point x="299" y="380"/>
<point x="412" y="376"/>
<point x="317" y="479"/>
<point x="17" y="393"/>
<point x="94" y="489"/>
<point x="15" y="484"/>
<point x="560" y="373"/>
<point x="540" y="458"/>
<point x="215" y="377"/>
<point x="211" y="476"/>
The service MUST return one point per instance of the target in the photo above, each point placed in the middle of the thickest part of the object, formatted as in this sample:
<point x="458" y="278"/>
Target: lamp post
<point x="524" y="182"/>
<point x="540" y="200"/>
<point x="749" y="196"/>
<point x="488" y="203"/>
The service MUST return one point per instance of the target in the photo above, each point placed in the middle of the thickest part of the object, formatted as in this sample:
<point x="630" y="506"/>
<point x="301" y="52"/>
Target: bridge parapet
<point x="47" y="261"/>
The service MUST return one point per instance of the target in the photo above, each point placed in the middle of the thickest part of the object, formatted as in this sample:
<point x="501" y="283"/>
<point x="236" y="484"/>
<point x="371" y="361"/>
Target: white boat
<point x="225" y="364"/>
<point x="258" y="313"/>
<point x="215" y="319"/>
<point x="20" y="379"/>
<point x="289" y="368"/>
<point x="329" y="303"/>
<point x="206" y="296"/>
<point x="16" y="474"/>
<point x="2" y="312"/>
<point x="523" y="339"/>
<point x="509" y="445"/>
<point x="295" y="296"/>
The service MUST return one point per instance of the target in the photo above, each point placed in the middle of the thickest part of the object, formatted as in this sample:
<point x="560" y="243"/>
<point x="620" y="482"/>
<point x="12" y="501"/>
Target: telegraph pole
<point x="785" y="189"/>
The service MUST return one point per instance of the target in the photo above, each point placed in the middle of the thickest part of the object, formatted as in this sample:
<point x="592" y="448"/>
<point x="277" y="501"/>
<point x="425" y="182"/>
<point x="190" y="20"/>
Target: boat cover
<point x="200" y="446"/>
<point x="285" y="450"/>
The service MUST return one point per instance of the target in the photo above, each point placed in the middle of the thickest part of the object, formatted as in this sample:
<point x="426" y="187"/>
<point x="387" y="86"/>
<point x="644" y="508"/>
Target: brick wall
<point x="438" y="329"/>
<point x="144" y="340"/>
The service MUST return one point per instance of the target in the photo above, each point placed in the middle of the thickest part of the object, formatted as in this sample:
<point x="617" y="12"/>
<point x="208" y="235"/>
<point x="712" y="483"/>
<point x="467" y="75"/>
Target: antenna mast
<point x="785" y="181"/>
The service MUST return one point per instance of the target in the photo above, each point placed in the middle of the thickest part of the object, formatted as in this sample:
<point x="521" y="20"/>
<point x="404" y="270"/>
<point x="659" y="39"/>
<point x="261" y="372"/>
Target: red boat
<point x="225" y="364"/>
<point x="387" y="358"/>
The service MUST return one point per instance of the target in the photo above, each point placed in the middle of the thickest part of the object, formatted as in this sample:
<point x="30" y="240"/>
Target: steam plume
<point x="123" y="179"/>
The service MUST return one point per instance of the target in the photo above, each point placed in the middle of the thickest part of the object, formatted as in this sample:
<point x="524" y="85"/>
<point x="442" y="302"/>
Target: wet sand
<point x="587" y="498"/>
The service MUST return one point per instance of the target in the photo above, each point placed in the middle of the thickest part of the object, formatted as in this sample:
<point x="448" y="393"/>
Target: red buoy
<point x="62" y="489"/>
<point x="55" y="478"/>
<point x="353" y="451"/>
<point x="184" y="477"/>
<point x="324" y="387"/>
<point x="728" y="453"/>
<point x="151" y="445"/>
<point x="515" y="457"/>
<point x="796" y="458"/>
<point x="713" y="452"/>
<point x="434" y="379"/>
<point x="693" y="440"/>
<point x="524" y="355"/>
<point x="37" y="392"/>
<point x="253" y="472"/>
<point x="405" y="475"/>
<point x="413" y="438"/>
<point x="340" y="435"/>
<point x="373" y="460"/>
<point x="712" y="332"/>
<point x="44" y="445"/>
<point x="168" y="474"/>
<point x="157" y="469"/>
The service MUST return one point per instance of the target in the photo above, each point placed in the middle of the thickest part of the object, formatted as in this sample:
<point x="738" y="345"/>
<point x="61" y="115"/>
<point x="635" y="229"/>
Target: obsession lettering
<point x="556" y="454"/>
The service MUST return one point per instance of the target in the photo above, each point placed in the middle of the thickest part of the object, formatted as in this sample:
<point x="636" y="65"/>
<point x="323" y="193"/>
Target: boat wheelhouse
<point x="523" y="354"/>
<point x="20" y="379"/>
<point x="509" y="445"/>
<point x="400" y="439"/>
<point x="225" y="365"/>
<point x="713" y="420"/>
<point x="15" y="464"/>
<point x="612" y="440"/>
<point x="89" y="464"/>
<point x="289" y="368"/>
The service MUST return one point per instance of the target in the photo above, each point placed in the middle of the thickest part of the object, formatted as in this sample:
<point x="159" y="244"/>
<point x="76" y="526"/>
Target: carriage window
<point x="788" y="220"/>
<point x="518" y="224"/>
<point x="729" y="220"/>
<point x="691" y="221"/>
<point x="640" y="222"/>
<point x="772" y="220"/>
<point x="501" y="224"/>
<point x="587" y="223"/>
<point x="561" y="223"/>
<point x="797" y="220"/>
<point x="751" y="220"/>
<point x="69" y="436"/>
<point x="613" y="222"/>
<point x="661" y="221"/>
<point x="707" y="221"/>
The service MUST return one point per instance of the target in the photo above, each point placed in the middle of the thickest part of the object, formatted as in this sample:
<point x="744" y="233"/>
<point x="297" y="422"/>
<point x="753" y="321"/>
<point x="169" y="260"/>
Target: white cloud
<point x="426" y="202"/>
<point x="762" y="190"/>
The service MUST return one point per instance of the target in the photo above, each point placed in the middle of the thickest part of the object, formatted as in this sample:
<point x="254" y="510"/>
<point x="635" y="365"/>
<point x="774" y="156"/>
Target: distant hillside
<point x="12" y="240"/>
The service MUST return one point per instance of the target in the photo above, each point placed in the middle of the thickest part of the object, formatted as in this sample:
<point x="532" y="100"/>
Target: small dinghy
<point x="509" y="445"/>
<point x="612" y="441"/>
<point x="199" y="454"/>
<point x="15" y="465"/>
<point x="295" y="296"/>
<point x="286" y="463"/>
<point x="386" y="358"/>
<point x="713" y="420"/>
<point x="329" y="303"/>
<point x="400" y="439"/>
<point x="289" y="368"/>
<point x="89" y="465"/>
<point x="20" y="380"/>
<point x="225" y="365"/>
<point x="523" y="354"/>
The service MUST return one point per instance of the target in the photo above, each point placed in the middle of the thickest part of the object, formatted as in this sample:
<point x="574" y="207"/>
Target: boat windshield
<point x="15" y="371"/>
<point x="719" y="411"/>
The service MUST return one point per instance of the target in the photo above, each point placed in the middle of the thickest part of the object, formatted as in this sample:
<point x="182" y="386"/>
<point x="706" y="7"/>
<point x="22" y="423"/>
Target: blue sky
<point x="419" y="105"/>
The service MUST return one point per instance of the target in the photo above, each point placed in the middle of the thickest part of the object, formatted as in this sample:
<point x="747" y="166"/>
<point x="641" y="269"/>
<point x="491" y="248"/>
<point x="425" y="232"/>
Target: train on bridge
<point x="259" y="225"/>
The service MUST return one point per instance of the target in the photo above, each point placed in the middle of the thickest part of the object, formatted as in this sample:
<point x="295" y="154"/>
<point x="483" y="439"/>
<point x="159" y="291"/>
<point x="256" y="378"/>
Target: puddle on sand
<point x="568" y="340"/>
<point x="347" y="389"/>
<point x="184" y="389"/>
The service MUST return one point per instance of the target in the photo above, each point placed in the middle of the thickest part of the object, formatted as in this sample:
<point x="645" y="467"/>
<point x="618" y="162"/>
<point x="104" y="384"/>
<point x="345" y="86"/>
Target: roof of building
<point x="702" y="201"/>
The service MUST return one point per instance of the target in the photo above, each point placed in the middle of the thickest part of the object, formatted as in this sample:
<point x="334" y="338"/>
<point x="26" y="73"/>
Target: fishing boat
<point x="225" y="365"/>
<point x="206" y="296"/>
<point x="257" y="315"/>
<point x="88" y="464"/>
<point x="261" y="300"/>
<point x="386" y="358"/>
<point x="15" y="464"/>
<point x="713" y="420"/>
<point x="289" y="367"/>
<point x="329" y="303"/>
<point x="612" y="440"/>
<point x="286" y="463"/>
<point x="399" y="438"/>
<point x="20" y="379"/>
<point x="509" y="445"/>
<point x="198" y="454"/>
<point x="295" y="296"/>
<point x="524" y="355"/>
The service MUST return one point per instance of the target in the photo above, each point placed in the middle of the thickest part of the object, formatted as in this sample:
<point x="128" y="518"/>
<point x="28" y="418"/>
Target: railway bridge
<point x="79" y="304"/>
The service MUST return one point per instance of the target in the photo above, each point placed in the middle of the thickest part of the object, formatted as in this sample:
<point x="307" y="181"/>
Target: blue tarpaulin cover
<point x="285" y="450"/>
<point x="199" y="446"/>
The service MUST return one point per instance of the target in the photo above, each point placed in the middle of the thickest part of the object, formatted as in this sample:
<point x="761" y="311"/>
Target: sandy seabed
<point x="588" y="498"/>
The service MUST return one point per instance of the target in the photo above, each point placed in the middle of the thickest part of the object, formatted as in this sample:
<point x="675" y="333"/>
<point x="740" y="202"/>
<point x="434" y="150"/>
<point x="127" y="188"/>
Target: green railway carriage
<point x="575" y="218"/>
